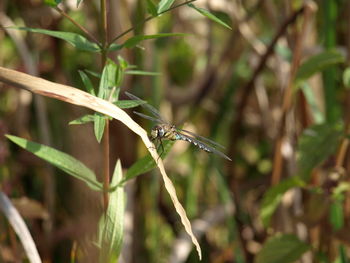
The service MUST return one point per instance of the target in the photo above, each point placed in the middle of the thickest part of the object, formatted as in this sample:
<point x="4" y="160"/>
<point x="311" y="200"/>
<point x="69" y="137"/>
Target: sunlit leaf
<point x="99" y="125"/>
<point x="59" y="159"/>
<point x="315" y="145"/>
<point x="273" y="196"/>
<point x="164" y="5"/>
<point x="52" y="2"/>
<point x="141" y="72"/>
<point x="281" y="248"/>
<point x="87" y="82"/>
<point x="135" y="40"/>
<point x="318" y="63"/>
<point x="76" y="40"/>
<point x="346" y="78"/>
<point x="113" y="222"/>
<point x="209" y="15"/>
<point x="123" y="63"/>
<point x="84" y="119"/>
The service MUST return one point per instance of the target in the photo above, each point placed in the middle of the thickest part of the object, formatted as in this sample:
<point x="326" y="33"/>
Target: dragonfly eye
<point x="160" y="131"/>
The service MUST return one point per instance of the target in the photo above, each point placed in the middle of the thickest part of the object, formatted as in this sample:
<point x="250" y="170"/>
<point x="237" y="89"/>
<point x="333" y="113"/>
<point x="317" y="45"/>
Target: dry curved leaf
<point x="81" y="98"/>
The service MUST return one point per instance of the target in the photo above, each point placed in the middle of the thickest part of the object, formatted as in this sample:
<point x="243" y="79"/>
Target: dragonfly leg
<point x="162" y="147"/>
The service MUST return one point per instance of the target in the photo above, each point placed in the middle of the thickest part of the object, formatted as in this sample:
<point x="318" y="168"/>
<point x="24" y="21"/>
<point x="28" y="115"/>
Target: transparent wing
<point x="150" y="108"/>
<point x="148" y="117"/>
<point x="205" y="146"/>
<point x="201" y="138"/>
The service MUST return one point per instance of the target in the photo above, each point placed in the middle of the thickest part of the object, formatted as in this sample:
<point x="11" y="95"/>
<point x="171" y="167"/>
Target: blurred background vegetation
<point x="274" y="90"/>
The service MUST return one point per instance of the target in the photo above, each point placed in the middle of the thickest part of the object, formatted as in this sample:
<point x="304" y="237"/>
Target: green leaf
<point x="74" y="39"/>
<point x="346" y="78"/>
<point x="61" y="160"/>
<point x="99" y="125"/>
<point x="273" y="196"/>
<point x="209" y="15"/>
<point x="311" y="99"/>
<point x="315" y="145"/>
<point x="135" y="40"/>
<point x="141" y="72"/>
<point x="336" y="215"/>
<point x="127" y="104"/>
<point x="52" y="3"/>
<point x="93" y="73"/>
<point x="103" y="86"/>
<point x="164" y="5"/>
<point x="112" y="224"/>
<point x="87" y="82"/>
<point x="115" y="47"/>
<point x="83" y="119"/>
<point x="282" y="248"/>
<point x="123" y="63"/>
<point x="145" y="164"/>
<point x="151" y="8"/>
<point x="319" y="63"/>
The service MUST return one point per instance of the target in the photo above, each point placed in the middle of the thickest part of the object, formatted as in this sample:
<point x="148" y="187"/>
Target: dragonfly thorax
<point x="163" y="131"/>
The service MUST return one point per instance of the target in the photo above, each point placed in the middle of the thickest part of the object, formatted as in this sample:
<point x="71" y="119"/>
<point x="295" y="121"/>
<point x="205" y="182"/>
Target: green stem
<point x="147" y="19"/>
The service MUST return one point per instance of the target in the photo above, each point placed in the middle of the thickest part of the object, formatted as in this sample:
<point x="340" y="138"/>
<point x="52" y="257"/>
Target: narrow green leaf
<point x="113" y="222"/>
<point x="99" y="125"/>
<point x="311" y="99"/>
<point x="52" y="3"/>
<point x="61" y="160"/>
<point x="115" y="47"/>
<point x="282" y="248"/>
<point x="319" y="63"/>
<point x="87" y="83"/>
<point x="145" y="164"/>
<point x="209" y="15"/>
<point x="123" y="63"/>
<point x="346" y="78"/>
<point x="112" y="69"/>
<point x="315" y="145"/>
<point x="164" y="5"/>
<point x="93" y="73"/>
<point x="151" y="8"/>
<point x="103" y="86"/>
<point x="83" y="119"/>
<point x="74" y="39"/>
<point x="141" y="72"/>
<point x="127" y="104"/>
<point x="115" y="96"/>
<point x="273" y="196"/>
<point x="336" y="215"/>
<point x="135" y="40"/>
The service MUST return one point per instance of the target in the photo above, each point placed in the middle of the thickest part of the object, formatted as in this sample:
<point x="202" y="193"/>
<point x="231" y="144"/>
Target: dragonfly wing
<point x="150" y="108"/>
<point x="148" y="117"/>
<point x="202" y="138"/>
<point x="203" y="146"/>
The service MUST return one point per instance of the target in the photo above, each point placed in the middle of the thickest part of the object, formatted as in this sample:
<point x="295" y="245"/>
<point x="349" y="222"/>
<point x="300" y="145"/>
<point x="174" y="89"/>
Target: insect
<point x="165" y="130"/>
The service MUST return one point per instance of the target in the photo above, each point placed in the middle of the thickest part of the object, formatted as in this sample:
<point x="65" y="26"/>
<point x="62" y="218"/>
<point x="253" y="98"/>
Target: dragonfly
<point x="165" y="130"/>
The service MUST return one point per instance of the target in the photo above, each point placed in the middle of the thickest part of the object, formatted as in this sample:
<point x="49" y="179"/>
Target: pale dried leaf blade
<point x="81" y="98"/>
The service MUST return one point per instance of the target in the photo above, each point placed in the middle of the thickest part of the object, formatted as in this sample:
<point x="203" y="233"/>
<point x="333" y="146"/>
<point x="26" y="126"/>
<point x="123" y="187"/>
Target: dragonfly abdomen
<point x="201" y="146"/>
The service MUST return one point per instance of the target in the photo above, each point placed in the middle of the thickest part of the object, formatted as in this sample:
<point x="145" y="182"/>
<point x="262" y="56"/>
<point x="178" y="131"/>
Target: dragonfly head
<point x="157" y="132"/>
